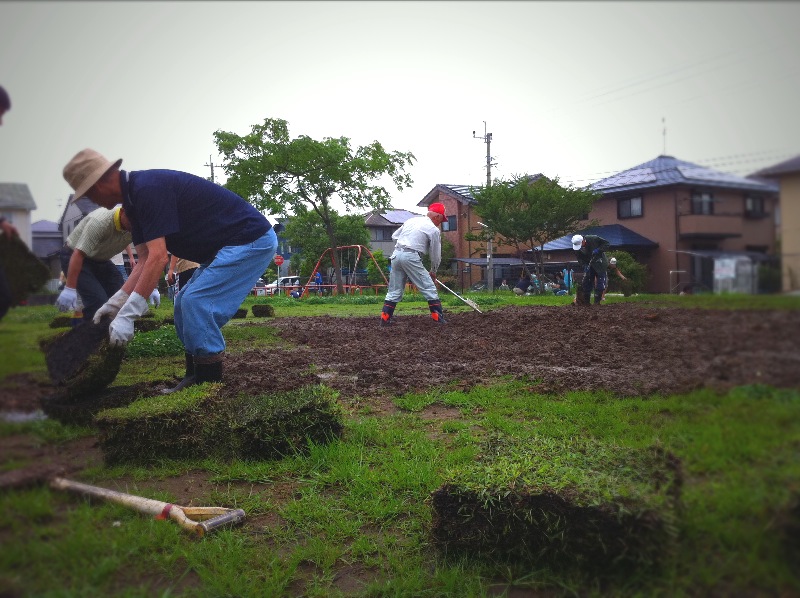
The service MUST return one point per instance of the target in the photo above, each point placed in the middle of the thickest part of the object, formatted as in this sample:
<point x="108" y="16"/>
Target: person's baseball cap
<point x="577" y="241"/>
<point x="438" y="208"/>
<point x="612" y="261"/>
<point x="85" y="169"/>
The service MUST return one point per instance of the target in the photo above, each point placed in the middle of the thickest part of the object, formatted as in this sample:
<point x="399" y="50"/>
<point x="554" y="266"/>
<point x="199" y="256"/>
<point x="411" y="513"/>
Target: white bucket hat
<point x="85" y="169"/>
<point x="577" y="241"/>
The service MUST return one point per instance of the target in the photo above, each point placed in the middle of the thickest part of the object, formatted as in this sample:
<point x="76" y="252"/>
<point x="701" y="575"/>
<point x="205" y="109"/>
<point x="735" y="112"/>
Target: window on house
<point x="754" y="206"/>
<point x="449" y="224"/>
<point x="702" y="203"/>
<point x="630" y="207"/>
<point x="381" y="234"/>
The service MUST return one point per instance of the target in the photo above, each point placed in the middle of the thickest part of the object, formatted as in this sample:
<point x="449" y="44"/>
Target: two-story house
<point x="705" y="222"/>
<point x="689" y="224"/>
<point x="788" y="176"/>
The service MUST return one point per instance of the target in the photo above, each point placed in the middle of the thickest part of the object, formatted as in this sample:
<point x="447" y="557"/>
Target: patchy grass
<point x="353" y="517"/>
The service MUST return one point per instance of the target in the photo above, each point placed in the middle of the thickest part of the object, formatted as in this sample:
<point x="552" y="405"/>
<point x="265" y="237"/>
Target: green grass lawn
<point x="351" y="518"/>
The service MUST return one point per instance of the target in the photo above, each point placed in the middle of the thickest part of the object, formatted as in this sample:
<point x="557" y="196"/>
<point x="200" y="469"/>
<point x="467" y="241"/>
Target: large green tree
<point x="528" y="212"/>
<point x="284" y="176"/>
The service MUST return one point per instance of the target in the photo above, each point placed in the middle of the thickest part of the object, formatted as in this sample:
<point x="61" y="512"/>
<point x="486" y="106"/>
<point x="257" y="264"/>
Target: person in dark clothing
<point x="560" y="285"/>
<point x="523" y="284"/>
<point x="590" y="250"/>
<point x="185" y="215"/>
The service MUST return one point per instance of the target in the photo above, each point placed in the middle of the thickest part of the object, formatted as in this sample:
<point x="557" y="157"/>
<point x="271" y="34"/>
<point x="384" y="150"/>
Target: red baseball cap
<point x="438" y="208"/>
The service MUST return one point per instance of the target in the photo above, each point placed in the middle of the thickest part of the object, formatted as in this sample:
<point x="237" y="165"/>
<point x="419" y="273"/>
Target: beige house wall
<point x="790" y="231"/>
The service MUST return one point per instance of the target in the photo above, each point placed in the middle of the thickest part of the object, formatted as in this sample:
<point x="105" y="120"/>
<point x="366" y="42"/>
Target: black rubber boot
<point x="388" y="311"/>
<point x="208" y="368"/>
<point x="436" y="311"/>
<point x="188" y="378"/>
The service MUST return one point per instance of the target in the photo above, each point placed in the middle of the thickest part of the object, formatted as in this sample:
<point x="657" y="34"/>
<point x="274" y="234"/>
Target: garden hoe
<point x="469" y="302"/>
<point x="199" y="520"/>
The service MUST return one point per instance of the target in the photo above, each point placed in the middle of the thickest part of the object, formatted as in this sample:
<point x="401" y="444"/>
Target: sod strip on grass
<point x="562" y="503"/>
<point x="200" y="422"/>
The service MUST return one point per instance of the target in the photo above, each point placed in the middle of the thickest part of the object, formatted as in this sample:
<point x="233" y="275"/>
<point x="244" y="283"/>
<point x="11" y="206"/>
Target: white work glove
<point x="155" y="298"/>
<point x="67" y="300"/>
<point x="111" y="307"/>
<point x="121" y="330"/>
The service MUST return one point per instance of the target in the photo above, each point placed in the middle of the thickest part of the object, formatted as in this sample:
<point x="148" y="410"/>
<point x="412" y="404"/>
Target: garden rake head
<point x="469" y="302"/>
<point x="198" y="520"/>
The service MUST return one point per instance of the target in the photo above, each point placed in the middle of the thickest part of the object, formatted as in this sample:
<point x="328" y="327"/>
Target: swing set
<point x="351" y="286"/>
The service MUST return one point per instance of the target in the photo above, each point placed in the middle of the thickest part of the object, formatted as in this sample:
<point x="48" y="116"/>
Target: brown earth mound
<point x="626" y="349"/>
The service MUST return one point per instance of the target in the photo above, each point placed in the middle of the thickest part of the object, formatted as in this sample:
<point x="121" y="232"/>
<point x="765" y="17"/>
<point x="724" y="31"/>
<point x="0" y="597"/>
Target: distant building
<point x="47" y="243"/>
<point x="711" y="227"/>
<point x="381" y="226"/>
<point x="788" y="176"/>
<point x="16" y="205"/>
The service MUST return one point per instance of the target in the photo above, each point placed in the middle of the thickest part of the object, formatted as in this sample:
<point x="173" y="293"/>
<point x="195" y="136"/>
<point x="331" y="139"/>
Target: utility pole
<point x="489" y="262"/>
<point x="664" y="133"/>
<point x="211" y="164"/>
<point x="487" y="138"/>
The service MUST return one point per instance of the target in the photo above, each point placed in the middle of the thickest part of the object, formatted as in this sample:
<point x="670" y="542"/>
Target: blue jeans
<point x="216" y="290"/>
<point x="407" y="265"/>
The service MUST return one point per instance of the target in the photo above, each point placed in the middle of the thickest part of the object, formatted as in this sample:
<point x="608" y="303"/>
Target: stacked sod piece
<point x="200" y="422"/>
<point x="263" y="310"/>
<point x="561" y="503"/>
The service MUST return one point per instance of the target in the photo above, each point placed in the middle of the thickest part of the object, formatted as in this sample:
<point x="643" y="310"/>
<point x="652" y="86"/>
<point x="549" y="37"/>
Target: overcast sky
<point x="576" y="90"/>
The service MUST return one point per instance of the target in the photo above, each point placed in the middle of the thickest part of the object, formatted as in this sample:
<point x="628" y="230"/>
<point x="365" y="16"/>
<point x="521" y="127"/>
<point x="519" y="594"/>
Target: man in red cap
<point x="418" y="235"/>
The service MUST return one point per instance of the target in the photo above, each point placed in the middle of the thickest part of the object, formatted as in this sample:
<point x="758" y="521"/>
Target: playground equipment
<point x="354" y="253"/>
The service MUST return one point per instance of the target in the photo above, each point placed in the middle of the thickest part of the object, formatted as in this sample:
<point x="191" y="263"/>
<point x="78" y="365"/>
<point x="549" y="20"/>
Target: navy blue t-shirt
<point x="196" y="217"/>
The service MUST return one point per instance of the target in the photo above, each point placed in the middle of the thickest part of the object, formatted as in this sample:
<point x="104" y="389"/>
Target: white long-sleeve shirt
<point x="421" y="234"/>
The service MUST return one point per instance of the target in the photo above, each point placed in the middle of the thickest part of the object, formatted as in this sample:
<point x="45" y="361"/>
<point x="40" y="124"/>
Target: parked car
<point x="281" y="284"/>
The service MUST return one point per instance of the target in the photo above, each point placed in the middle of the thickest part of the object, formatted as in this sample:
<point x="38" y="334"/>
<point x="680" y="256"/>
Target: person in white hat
<point x="590" y="251"/>
<point x="185" y="215"/>
<point x="612" y="268"/>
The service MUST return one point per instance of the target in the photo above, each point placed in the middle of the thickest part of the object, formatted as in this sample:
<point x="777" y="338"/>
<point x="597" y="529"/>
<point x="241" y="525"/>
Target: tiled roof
<point x="45" y="226"/>
<point x="388" y="218"/>
<point x="787" y="167"/>
<point x="16" y="196"/>
<point x="460" y="193"/>
<point x="617" y="235"/>
<point x="666" y="170"/>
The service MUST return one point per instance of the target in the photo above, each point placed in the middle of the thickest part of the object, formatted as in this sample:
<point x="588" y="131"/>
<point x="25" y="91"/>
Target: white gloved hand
<point x="67" y="300"/>
<point x="121" y="330"/>
<point x="111" y="307"/>
<point x="155" y="298"/>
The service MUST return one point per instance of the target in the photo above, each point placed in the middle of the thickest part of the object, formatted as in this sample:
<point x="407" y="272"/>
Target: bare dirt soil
<point x="622" y="348"/>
